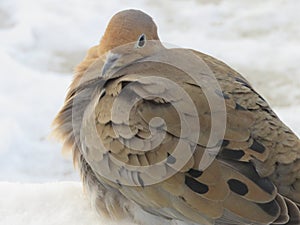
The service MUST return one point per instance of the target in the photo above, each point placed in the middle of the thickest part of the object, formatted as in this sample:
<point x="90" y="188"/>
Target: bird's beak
<point x="110" y="62"/>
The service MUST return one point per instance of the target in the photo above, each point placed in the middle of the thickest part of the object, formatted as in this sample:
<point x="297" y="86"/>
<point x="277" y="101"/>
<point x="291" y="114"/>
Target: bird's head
<point x="130" y="35"/>
<point x="126" y="27"/>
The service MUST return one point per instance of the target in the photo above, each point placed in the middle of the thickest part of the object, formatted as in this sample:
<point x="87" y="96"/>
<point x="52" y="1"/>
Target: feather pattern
<point x="142" y="130"/>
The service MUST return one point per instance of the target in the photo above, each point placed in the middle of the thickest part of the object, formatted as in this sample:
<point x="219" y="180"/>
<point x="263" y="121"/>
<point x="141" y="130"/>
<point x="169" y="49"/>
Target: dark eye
<point x="141" y="41"/>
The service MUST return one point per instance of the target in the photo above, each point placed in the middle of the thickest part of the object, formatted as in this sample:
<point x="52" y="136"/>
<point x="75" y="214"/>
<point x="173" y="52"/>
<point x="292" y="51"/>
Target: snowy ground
<point x="40" y="43"/>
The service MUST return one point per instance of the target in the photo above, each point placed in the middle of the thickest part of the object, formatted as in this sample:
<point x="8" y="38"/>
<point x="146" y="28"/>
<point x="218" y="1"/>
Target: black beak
<point x="109" y="63"/>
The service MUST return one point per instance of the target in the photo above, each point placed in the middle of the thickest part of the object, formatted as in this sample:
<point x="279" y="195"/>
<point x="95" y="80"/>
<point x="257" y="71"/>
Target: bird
<point x="174" y="136"/>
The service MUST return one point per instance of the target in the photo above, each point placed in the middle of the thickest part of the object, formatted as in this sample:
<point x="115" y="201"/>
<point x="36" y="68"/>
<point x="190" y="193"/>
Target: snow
<point x="39" y="204"/>
<point x="42" y="41"/>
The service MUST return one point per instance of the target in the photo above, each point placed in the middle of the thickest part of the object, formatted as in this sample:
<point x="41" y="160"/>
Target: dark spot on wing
<point x="237" y="187"/>
<point x="195" y="173"/>
<point x="248" y="170"/>
<point x="256" y="146"/>
<point x="232" y="154"/>
<point x="196" y="186"/>
<point x="225" y="143"/>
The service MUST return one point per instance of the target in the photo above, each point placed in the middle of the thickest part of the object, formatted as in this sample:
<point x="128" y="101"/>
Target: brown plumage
<point x="128" y="158"/>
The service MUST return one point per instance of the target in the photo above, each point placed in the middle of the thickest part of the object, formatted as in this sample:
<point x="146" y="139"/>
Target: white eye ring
<point x="141" y="42"/>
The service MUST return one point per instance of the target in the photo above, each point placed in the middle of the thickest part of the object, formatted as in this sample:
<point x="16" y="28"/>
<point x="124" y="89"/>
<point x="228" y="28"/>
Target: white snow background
<point x="41" y="42"/>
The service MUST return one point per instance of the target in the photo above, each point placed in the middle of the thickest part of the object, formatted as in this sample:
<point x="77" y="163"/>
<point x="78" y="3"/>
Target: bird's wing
<point x="157" y="164"/>
<point x="274" y="149"/>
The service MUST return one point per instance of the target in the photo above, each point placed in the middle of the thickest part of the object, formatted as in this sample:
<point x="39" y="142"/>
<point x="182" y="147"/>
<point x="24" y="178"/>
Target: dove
<point x="174" y="136"/>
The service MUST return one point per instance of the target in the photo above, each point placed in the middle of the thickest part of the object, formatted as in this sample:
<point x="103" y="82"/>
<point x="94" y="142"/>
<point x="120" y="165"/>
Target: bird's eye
<point x="141" y="42"/>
